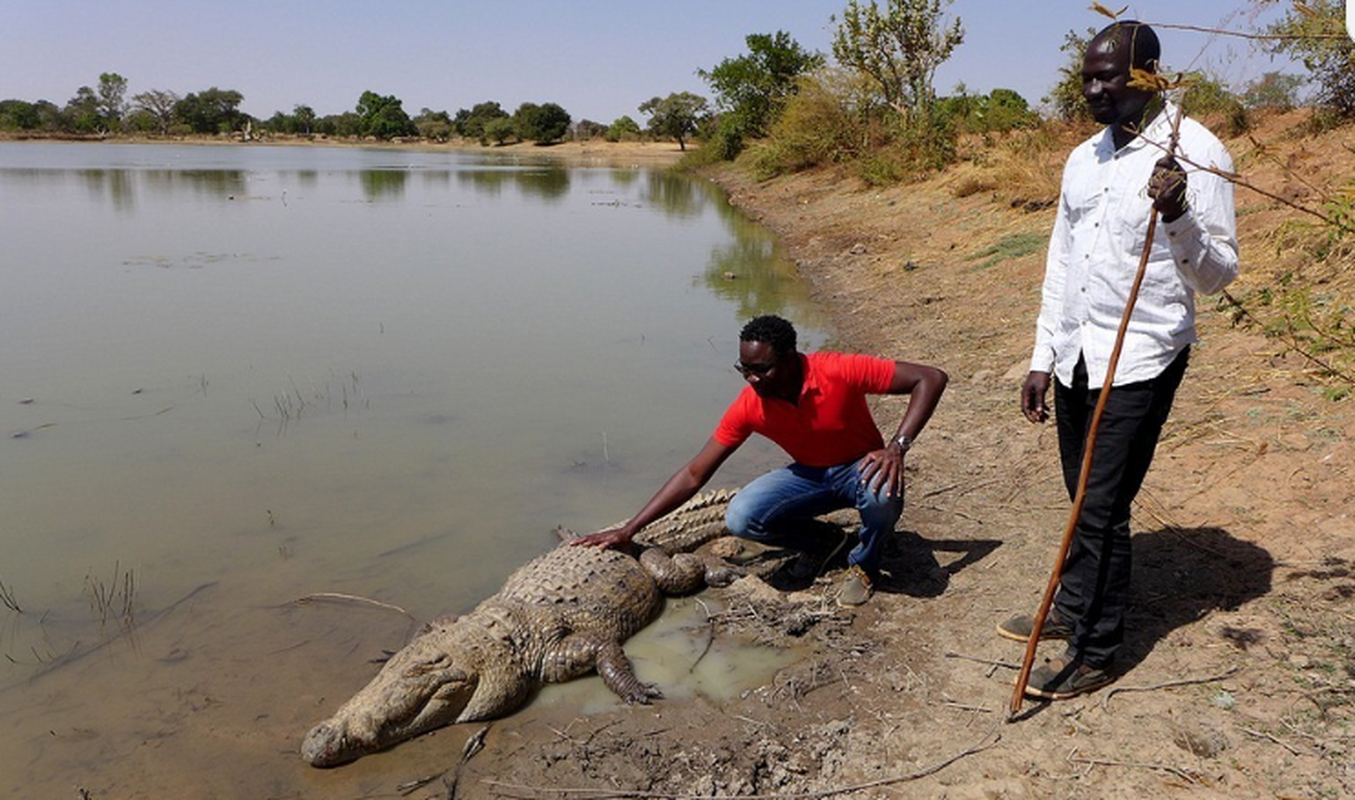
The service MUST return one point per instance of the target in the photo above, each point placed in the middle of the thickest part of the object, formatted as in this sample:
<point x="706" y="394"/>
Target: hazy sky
<point x="599" y="60"/>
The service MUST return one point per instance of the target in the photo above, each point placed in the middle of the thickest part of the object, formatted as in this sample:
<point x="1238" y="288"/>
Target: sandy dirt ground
<point x="1239" y="671"/>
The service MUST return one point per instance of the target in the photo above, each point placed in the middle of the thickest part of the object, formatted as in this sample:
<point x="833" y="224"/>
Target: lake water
<point x="235" y="377"/>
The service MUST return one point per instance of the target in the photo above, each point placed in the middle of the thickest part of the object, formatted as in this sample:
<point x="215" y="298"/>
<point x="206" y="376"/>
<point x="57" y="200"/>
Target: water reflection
<point x="749" y="273"/>
<point x="116" y="184"/>
<point x="383" y="184"/>
<point x="545" y="182"/>
<point x="550" y="183"/>
<point x="676" y="194"/>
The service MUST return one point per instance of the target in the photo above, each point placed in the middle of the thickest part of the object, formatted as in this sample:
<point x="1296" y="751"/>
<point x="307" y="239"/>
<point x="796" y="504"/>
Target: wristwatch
<point x="904" y="442"/>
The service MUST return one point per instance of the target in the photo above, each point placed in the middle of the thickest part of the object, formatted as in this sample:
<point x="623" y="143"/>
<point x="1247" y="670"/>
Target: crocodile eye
<point x="441" y="662"/>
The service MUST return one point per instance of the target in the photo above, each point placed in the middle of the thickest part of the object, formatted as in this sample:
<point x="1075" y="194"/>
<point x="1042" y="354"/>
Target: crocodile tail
<point x="679" y="574"/>
<point x="695" y="522"/>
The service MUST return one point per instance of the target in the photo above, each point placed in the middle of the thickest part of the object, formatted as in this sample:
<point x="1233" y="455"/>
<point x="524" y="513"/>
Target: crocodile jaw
<point x="403" y="701"/>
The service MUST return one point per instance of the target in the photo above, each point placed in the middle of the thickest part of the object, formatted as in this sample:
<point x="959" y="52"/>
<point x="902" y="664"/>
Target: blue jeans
<point x="768" y="508"/>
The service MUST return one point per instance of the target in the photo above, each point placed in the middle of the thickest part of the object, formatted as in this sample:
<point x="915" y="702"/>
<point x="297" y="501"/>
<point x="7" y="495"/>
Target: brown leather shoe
<point x="1019" y="628"/>
<point x="857" y="587"/>
<point x="1064" y="678"/>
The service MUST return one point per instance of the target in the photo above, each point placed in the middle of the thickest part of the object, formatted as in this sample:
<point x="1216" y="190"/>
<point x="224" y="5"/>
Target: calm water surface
<point x="234" y="377"/>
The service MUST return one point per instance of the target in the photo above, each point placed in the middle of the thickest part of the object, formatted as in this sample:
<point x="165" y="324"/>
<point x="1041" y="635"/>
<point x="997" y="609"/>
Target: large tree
<point x="305" y="117"/>
<point x="470" y="123"/>
<point x="159" y="105"/>
<point x="384" y="117"/>
<point x="436" y="125"/>
<point x="678" y="115"/>
<point x="112" y="105"/>
<point x="18" y="115"/>
<point x="81" y="113"/>
<point x="750" y="89"/>
<point x="899" y="48"/>
<point x="1314" y="33"/>
<point x="542" y="124"/>
<point x="211" y="111"/>
<point x="1066" y="96"/>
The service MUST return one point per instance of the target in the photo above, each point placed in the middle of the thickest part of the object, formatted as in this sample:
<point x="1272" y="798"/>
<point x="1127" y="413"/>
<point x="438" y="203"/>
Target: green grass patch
<point x="1009" y="247"/>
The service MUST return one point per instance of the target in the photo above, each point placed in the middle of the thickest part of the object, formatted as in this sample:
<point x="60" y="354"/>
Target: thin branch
<point x="1263" y="735"/>
<point x="351" y="598"/>
<point x="1290" y="341"/>
<point x="1184" y="775"/>
<point x="985" y="661"/>
<point x="1105" y="701"/>
<point x="1271" y="37"/>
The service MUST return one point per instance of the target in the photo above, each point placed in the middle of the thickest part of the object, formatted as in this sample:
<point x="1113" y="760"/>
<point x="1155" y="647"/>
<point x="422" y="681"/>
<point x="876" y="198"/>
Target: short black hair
<point x="1145" y="49"/>
<point x="772" y="330"/>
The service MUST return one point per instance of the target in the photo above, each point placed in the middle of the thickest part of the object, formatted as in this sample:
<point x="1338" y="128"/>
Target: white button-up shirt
<point x="1098" y="241"/>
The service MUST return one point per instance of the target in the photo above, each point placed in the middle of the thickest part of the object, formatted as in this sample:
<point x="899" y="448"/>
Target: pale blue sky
<point x="597" y="59"/>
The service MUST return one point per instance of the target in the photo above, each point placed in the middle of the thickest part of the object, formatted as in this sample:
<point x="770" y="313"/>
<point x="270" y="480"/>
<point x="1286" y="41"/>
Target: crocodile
<point x="558" y="617"/>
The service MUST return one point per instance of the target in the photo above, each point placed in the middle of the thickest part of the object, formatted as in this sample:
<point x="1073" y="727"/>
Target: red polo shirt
<point x="830" y="425"/>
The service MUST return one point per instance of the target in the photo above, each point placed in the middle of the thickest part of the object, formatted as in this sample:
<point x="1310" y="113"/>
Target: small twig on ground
<point x="988" y="741"/>
<point x="7" y="598"/>
<point x="410" y="787"/>
<point x="964" y="707"/>
<point x="1184" y="774"/>
<point x="987" y="661"/>
<point x="351" y="598"/>
<point x="710" y="639"/>
<point x="1105" y="701"/>
<point x="1263" y="735"/>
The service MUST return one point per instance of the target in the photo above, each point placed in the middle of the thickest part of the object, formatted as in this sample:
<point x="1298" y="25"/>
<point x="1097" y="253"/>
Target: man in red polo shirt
<point x="814" y="407"/>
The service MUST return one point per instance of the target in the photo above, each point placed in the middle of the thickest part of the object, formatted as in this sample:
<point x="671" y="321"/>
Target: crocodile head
<point x="421" y="688"/>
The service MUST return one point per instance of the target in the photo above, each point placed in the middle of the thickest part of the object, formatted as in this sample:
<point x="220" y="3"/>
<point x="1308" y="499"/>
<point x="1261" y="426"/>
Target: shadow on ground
<point x="1182" y="575"/>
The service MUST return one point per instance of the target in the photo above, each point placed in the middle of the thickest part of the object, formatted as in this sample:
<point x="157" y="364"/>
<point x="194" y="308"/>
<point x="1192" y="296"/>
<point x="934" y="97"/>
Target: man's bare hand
<point x="611" y="537"/>
<point x="1167" y="188"/>
<point x="1033" y="394"/>
<point x="883" y="468"/>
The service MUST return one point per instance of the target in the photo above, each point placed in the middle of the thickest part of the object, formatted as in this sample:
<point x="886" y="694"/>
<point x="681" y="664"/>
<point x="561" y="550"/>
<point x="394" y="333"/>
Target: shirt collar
<point x="1159" y="130"/>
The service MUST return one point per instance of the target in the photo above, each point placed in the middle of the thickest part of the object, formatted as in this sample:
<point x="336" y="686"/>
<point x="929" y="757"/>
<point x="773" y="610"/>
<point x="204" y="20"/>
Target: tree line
<point x="877" y="97"/>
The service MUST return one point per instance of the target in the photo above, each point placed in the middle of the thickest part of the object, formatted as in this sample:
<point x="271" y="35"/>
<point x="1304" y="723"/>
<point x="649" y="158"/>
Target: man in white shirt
<point x="1112" y="184"/>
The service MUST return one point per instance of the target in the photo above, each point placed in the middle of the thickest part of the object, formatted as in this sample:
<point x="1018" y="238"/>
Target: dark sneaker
<point x="1064" y="678"/>
<point x="811" y="564"/>
<point x="1019" y="628"/>
<point x="857" y="587"/>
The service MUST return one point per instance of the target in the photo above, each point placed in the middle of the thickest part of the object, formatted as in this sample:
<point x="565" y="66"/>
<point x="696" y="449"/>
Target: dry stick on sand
<point x="989" y="740"/>
<point x="350" y="598"/>
<point x="1105" y="701"/>
<point x="1023" y="679"/>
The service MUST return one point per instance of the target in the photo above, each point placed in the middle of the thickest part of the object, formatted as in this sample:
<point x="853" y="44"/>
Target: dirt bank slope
<point x="1241" y="661"/>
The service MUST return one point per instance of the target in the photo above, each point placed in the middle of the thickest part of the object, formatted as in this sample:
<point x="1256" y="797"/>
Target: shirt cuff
<point x="1186" y="236"/>
<point x="1042" y="360"/>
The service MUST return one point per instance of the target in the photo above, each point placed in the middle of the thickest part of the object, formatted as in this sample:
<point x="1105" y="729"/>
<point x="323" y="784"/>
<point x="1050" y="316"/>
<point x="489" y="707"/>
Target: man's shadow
<point x="1180" y="576"/>
<point x="921" y="567"/>
<point x="909" y="564"/>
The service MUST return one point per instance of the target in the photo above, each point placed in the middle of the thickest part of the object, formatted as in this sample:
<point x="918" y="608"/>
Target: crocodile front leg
<point x="578" y="653"/>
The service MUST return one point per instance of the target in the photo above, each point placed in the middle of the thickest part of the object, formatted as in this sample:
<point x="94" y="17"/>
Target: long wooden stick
<point x="1080" y="497"/>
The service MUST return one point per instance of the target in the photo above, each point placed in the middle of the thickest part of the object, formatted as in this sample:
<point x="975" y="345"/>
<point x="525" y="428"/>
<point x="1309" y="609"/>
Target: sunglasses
<point x="753" y="369"/>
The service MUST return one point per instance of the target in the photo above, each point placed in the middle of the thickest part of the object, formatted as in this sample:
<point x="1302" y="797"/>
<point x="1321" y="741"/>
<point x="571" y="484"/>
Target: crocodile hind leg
<point x="580" y="653"/>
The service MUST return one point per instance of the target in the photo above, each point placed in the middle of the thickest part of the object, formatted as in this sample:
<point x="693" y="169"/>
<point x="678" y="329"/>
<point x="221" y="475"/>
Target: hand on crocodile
<point x="610" y="537"/>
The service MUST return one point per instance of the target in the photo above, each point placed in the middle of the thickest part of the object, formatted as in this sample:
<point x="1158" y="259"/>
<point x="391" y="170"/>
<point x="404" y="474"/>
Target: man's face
<point x="1105" y="84"/>
<point x="762" y="368"/>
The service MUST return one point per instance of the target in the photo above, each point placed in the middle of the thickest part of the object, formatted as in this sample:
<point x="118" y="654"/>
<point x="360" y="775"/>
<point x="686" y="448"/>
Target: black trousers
<point x="1093" y="593"/>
